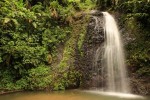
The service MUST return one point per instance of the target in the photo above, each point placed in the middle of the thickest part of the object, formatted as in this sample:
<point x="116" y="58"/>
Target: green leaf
<point x="34" y="24"/>
<point x="6" y="20"/>
<point x="1" y="60"/>
<point x="15" y="22"/>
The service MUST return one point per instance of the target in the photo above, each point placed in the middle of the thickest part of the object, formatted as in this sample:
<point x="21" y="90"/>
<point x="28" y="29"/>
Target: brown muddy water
<point x="65" y="95"/>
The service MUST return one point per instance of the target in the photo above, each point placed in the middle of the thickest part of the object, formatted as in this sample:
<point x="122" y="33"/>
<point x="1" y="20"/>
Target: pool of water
<point x="65" y="95"/>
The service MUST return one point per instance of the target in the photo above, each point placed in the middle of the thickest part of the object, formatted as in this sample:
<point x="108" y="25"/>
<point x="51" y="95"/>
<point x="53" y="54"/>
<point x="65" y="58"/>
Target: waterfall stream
<point x="113" y="58"/>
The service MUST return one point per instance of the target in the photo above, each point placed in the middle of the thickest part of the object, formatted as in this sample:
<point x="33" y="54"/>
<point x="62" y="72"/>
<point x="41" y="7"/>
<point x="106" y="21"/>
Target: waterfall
<point x="114" y="68"/>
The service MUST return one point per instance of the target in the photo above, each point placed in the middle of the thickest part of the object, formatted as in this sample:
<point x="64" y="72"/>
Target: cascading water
<point x="104" y="56"/>
<point x="113" y="59"/>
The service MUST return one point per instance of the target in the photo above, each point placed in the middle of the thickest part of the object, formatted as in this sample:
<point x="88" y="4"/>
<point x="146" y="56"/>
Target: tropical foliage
<point x="31" y="32"/>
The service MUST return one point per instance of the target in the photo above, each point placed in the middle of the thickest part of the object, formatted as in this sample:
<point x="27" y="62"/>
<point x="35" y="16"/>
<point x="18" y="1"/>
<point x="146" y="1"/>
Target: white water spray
<point x="114" y="60"/>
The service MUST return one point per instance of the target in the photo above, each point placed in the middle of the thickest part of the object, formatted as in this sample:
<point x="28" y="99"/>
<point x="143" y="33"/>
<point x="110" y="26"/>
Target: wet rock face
<point x="95" y="29"/>
<point x="91" y="61"/>
<point x="139" y="84"/>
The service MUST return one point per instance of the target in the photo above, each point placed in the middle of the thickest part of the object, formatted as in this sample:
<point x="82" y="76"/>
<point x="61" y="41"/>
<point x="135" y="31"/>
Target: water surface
<point x="61" y="95"/>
